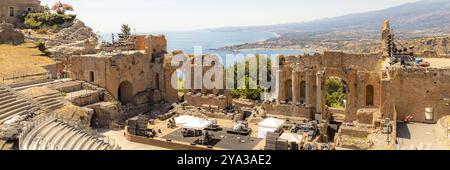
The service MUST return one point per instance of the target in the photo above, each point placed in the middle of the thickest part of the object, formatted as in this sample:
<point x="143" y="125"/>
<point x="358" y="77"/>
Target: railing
<point x="24" y="76"/>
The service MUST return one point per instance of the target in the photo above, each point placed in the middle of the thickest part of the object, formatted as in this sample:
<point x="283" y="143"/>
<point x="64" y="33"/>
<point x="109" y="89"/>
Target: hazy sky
<point x="177" y="15"/>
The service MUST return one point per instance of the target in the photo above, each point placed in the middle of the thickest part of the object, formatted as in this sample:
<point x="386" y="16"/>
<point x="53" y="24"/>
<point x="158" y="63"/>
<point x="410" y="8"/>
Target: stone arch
<point x="94" y="122"/>
<point x="181" y="81"/>
<point x="91" y="76"/>
<point x="125" y="92"/>
<point x="288" y="90"/>
<point x="369" y="95"/>
<point x="282" y="61"/>
<point x="303" y="90"/>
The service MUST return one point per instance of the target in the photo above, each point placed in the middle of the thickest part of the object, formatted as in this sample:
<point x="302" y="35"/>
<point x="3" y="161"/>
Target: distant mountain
<point x="361" y="32"/>
<point x="422" y="17"/>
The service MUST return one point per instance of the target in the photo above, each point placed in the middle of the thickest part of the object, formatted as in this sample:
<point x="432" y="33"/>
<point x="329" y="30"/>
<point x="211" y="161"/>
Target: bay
<point x="210" y="41"/>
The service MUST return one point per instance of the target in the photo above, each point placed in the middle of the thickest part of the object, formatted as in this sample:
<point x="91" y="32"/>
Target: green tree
<point x="244" y="91"/>
<point x="126" y="32"/>
<point x="336" y="93"/>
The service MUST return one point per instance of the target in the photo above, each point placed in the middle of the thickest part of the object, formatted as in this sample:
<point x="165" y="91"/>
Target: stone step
<point x="7" y="96"/>
<point x="75" y="141"/>
<point x="83" y="143"/>
<point x="66" y="140"/>
<point x="40" y="84"/>
<point x="47" y="96"/>
<point x="11" y="116"/>
<point x="30" y="137"/>
<point x="7" y="101"/>
<point x="47" y="101"/>
<point x="13" y="105"/>
<point x="3" y="92"/>
<point x="89" y="144"/>
<point x="15" y="112"/>
<point x="51" y="136"/>
<point x="97" y="145"/>
<point x="55" y="106"/>
<point x="56" y="141"/>
<point x="37" y="140"/>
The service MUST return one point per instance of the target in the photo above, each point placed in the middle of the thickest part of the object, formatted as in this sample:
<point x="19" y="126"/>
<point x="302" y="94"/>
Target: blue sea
<point x="212" y="40"/>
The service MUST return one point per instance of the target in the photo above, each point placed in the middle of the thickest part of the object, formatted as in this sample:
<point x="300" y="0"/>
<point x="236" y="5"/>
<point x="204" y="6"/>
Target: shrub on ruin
<point x="41" y="31"/>
<point x="41" y="46"/>
<point x="40" y="20"/>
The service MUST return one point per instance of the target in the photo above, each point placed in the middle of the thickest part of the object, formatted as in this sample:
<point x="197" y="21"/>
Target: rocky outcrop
<point x="77" y="31"/>
<point x="72" y="39"/>
<point x="8" y="35"/>
<point x="71" y="34"/>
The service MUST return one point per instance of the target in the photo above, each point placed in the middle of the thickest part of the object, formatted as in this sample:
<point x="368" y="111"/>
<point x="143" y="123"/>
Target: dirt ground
<point x="120" y="140"/>
<point x="21" y="60"/>
<point x="418" y="136"/>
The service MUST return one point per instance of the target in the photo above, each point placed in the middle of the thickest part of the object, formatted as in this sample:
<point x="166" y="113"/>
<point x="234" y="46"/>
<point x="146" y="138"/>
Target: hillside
<point x="427" y="18"/>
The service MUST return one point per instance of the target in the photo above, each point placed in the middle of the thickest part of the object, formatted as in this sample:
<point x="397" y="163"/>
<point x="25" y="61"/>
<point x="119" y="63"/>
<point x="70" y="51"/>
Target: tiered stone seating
<point x="12" y="104"/>
<point x="52" y="101"/>
<point x="56" y="135"/>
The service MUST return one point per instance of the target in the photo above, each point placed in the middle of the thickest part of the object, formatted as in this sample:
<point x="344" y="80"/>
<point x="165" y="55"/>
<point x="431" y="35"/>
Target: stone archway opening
<point x="288" y="90"/>
<point x="125" y="92"/>
<point x="336" y="93"/>
<point x="94" y="121"/>
<point x="302" y="91"/>
<point x="182" y="86"/>
<point x="369" y="95"/>
<point x="91" y="76"/>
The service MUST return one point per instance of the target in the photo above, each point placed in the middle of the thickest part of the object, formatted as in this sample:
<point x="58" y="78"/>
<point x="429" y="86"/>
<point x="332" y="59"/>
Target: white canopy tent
<point x="291" y="137"/>
<point x="198" y="124"/>
<point x="269" y="125"/>
<point x="183" y="119"/>
<point x="190" y="122"/>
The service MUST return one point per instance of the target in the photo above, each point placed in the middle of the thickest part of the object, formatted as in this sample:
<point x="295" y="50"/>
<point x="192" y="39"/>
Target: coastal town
<point x="63" y="88"/>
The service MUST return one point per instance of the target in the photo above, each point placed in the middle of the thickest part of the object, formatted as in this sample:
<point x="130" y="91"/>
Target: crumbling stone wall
<point x="19" y="7"/>
<point x="357" y="70"/>
<point x="412" y="90"/>
<point x="110" y="70"/>
<point x="289" y="110"/>
<point x="200" y="100"/>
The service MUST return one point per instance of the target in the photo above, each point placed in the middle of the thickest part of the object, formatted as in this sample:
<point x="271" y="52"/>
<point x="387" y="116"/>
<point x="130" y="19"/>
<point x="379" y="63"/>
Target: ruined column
<point x="218" y="80"/>
<point x="280" y="88"/>
<point x="198" y="82"/>
<point x="192" y="82"/>
<point x="203" y="88"/>
<point x="308" y="83"/>
<point x="295" y="86"/>
<point x="385" y="32"/>
<point x="319" y="92"/>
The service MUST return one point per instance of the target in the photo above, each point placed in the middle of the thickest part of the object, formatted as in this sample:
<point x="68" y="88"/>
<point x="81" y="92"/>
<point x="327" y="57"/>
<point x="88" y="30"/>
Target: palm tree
<point x="61" y="8"/>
